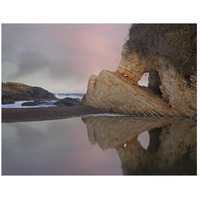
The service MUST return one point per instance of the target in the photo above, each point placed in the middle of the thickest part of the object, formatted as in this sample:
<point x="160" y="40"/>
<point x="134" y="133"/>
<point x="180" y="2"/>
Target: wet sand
<point x="51" y="113"/>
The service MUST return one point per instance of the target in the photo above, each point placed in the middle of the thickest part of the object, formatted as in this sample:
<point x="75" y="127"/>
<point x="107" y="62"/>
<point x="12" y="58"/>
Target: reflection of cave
<point x="154" y="139"/>
<point x="150" y="140"/>
<point x="144" y="139"/>
<point x="154" y="82"/>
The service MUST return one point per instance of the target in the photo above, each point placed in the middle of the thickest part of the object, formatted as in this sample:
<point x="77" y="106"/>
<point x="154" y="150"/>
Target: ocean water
<point x="18" y="104"/>
<point x="70" y="95"/>
<point x="100" y="145"/>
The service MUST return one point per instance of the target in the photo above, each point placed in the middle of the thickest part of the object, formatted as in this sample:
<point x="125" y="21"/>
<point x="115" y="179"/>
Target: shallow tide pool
<point x="103" y="145"/>
<point x="59" y="147"/>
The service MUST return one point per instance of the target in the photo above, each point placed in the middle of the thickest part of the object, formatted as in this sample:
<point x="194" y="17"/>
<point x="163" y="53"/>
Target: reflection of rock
<point x="12" y="91"/>
<point x="172" y="148"/>
<point x="154" y="139"/>
<point x="110" y="132"/>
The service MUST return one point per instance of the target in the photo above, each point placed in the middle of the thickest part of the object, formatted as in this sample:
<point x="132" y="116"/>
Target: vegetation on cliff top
<point x="176" y="42"/>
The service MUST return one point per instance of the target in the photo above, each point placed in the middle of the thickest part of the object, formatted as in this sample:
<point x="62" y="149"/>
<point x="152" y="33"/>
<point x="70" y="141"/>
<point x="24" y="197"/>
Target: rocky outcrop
<point x="37" y="102"/>
<point x="119" y="91"/>
<point x="68" y="102"/>
<point x="30" y="104"/>
<point x="7" y="100"/>
<point x="12" y="91"/>
<point x="171" y="148"/>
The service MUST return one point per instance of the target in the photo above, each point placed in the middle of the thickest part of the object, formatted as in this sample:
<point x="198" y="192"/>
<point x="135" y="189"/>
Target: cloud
<point x="29" y="63"/>
<point x="45" y="54"/>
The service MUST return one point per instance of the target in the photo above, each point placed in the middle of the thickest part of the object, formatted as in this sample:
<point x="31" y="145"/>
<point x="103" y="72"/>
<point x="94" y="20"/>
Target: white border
<point x="99" y="187"/>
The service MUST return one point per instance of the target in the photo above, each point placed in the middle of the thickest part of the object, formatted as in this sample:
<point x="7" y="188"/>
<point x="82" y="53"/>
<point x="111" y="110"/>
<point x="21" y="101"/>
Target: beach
<point x="51" y="113"/>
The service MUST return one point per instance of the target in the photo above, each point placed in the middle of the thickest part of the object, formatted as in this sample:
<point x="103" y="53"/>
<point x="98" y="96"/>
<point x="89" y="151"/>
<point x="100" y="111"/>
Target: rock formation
<point x="30" y="103"/>
<point x="68" y="102"/>
<point x="169" y="92"/>
<point x="12" y="91"/>
<point x="171" y="149"/>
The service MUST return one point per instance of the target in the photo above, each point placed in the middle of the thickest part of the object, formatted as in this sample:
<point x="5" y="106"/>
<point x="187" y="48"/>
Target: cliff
<point x="12" y="91"/>
<point x="172" y="88"/>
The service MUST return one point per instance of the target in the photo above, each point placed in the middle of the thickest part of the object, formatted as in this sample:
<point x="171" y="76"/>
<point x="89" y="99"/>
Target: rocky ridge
<point x="12" y="91"/>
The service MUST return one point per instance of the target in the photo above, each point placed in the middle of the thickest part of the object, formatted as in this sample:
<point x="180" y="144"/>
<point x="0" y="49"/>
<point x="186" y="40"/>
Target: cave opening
<point x="151" y="80"/>
<point x="155" y="82"/>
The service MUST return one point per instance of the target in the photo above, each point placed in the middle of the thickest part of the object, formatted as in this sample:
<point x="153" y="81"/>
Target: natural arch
<point x="151" y="80"/>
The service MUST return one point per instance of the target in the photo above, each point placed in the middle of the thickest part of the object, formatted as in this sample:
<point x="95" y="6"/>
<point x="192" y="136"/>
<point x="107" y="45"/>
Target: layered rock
<point x="171" y="148"/>
<point x="182" y="96"/>
<point x="119" y="91"/>
<point x="12" y="91"/>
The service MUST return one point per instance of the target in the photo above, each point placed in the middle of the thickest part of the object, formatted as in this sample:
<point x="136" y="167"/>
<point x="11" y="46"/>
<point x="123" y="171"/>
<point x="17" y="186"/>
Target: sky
<point x="60" y="57"/>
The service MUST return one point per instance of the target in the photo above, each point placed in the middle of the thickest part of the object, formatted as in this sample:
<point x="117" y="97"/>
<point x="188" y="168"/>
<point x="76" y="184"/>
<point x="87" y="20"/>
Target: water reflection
<point x="171" y="148"/>
<point x="58" y="147"/>
<point x="144" y="139"/>
<point x="116" y="145"/>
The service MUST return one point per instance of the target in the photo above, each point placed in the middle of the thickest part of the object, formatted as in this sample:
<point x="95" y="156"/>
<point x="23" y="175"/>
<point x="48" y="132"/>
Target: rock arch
<point x="120" y="92"/>
<point x="151" y="79"/>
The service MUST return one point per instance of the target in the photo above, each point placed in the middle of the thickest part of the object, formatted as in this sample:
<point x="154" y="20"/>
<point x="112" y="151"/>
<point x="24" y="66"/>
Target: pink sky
<point x="60" y="57"/>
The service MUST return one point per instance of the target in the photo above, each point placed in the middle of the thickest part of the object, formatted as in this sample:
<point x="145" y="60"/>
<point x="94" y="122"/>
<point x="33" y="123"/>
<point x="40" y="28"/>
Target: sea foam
<point x="70" y="95"/>
<point x="18" y="104"/>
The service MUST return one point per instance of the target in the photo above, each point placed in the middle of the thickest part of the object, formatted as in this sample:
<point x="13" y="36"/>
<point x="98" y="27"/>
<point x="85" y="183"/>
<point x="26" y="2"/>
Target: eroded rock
<point x="113" y="92"/>
<point x="119" y="91"/>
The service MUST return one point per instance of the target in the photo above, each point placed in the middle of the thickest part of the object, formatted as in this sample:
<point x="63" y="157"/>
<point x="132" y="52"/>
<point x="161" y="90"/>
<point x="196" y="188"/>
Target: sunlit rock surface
<point x="116" y="93"/>
<point x="171" y="148"/>
<point x="119" y="91"/>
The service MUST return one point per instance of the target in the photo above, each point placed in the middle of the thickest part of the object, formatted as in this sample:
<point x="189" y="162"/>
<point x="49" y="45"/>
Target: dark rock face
<point x="12" y="91"/>
<point x="154" y="140"/>
<point x="7" y="101"/>
<point x="154" y="82"/>
<point x="68" y="102"/>
<point x="30" y="104"/>
<point x="37" y="102"/>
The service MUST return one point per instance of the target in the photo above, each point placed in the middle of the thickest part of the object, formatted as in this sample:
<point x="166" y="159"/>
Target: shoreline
<point x="10" y="115"/>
